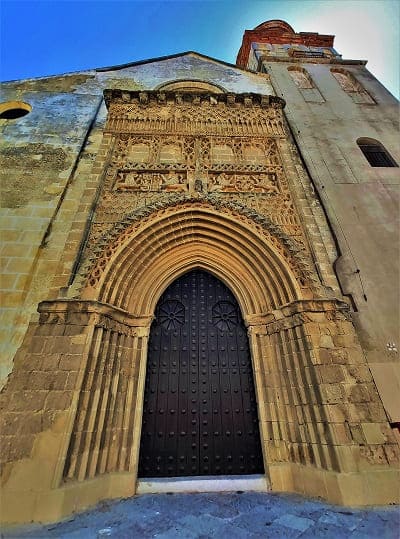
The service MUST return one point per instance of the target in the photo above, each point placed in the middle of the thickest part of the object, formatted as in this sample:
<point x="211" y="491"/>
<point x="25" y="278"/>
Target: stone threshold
<point x="223" y="483"/>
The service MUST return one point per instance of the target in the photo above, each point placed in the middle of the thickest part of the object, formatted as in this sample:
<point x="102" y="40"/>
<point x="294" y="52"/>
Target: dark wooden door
<point x="200" y="413"/>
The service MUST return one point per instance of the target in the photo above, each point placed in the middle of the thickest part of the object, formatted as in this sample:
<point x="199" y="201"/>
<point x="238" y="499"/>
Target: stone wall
<point x="75" y="396"/>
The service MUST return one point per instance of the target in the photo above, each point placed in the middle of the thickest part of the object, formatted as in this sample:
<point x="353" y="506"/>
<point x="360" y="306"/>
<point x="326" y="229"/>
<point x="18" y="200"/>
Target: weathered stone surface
<point x="235" y="515"/>
<point x="105" y="208"/>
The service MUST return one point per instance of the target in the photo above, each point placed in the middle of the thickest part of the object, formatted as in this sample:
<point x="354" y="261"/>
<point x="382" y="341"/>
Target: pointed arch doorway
<point x="200" y="411"/>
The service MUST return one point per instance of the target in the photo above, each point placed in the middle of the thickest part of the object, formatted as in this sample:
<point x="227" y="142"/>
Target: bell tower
<point x="341" y="121"/>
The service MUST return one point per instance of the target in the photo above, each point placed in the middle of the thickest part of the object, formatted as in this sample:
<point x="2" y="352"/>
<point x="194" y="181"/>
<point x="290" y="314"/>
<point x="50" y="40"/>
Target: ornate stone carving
<point x="171" y="149"/>
<point x="249" y="183"/>
<point x="202" y="114"/>
<point x="109" y="324"/>
<point x="110" y="242"/>
<point x="143" y="182"/>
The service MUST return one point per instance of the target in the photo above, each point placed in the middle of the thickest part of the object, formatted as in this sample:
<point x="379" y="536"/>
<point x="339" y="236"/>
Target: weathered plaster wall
<point x="190" y="67"/>
<point x="46" y="159"/>
<point x="361" y="202"/>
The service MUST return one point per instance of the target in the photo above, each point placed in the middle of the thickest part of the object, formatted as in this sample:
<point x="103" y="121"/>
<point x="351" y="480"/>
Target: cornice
<point x="305" y="60"/>
<point x="196" y="98"/>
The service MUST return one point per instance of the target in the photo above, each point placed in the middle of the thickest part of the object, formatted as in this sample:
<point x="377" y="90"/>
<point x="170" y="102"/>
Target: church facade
<point x="200" y="278"/>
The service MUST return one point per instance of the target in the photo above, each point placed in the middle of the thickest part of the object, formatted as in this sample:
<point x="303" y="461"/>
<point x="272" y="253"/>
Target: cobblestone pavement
<point x="219" y="516"/>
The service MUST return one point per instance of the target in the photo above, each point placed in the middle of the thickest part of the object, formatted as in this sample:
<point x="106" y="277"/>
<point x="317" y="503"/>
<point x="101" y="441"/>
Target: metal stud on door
<point x="200" y="413"/>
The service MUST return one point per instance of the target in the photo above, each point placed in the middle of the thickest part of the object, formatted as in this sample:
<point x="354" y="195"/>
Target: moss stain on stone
<point x="64" y="83"/>
<point x="26" y="170"/>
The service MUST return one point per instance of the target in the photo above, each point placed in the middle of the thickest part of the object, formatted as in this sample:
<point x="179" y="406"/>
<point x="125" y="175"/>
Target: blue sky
<point x="41" y="38"/>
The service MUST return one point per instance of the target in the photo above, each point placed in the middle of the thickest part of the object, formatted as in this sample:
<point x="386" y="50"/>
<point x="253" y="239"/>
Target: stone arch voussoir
<point x="204" y="232"/>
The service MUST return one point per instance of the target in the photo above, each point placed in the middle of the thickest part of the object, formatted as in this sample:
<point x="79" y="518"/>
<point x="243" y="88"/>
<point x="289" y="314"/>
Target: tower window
<point x="300" y="77"/>
<point x="375" y="153"/>
<point x="352" y="87"/>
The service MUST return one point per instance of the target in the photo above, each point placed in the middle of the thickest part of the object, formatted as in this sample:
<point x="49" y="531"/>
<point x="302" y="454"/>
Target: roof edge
<point x="169" y="57"/>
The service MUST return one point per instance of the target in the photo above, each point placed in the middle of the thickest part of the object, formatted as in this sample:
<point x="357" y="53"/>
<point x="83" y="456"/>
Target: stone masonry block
<point x="58" y="400"/>
<point x="326" y="341"/>
<point x="373" y="433"/>
<point x="358" y="412"/>
<point x="9" y="423"/>
<point x="48" y="380"/>
<point x="73" y="329"/>
<point x="30" y="423"/>
<point x="376" y="412"/>
<point x="340" y="433"/>
<point x="16" y="448"/>
<point x="49" y="362"/>
<point x="22" y="401"/>
<point x="358" y="373"/>
<point x="392" y="452"/>
<point x="357" y="393"/>
<point x="7" y="281"/>
<point x="11" y="298"/>
<point x="337" y="413"/>
<point x="71" y="380"/>
<point x="345" y="341"/>
<point x="370" y="455"/>
<point x="70" y="362"/>
<point x="357" y="434"/>
<point x="331" y="393"/>
<point x="330" y="374"/>
<point x="346" y="458"/>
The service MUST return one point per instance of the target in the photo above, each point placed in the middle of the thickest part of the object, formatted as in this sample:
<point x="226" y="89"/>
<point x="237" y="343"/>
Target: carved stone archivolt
<point x="162" y="232"/>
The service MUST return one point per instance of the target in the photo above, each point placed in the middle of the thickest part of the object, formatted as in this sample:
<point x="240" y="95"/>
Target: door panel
<point x="200" y="413"/>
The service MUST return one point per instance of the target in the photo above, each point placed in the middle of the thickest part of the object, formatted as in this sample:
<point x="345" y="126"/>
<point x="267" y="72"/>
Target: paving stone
<point x="296" y="523"/>
<point x="348" y="521"/>
<point x="326" y="531"/>
<point x="253" y="522"/>
<point x="249" y="515"/>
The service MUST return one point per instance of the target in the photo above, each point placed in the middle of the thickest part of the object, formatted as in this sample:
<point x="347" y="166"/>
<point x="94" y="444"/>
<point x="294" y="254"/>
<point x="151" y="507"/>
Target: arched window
<point x="351" y="86"/>
<point x="375" y="153"/>
<point x="300" y="77"/>
<point x="191" y="86"/>
<point x="305" y="84"/>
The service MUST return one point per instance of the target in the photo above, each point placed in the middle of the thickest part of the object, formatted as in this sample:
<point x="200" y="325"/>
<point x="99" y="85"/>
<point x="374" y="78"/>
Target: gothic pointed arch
<point x="152" y="247"/>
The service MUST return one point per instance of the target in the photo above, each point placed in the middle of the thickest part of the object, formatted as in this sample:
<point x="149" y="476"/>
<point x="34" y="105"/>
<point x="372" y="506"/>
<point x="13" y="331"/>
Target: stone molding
<point x="295" y="314"/>
<point x="110" y="243"/>
<point x="73" y="311"/>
